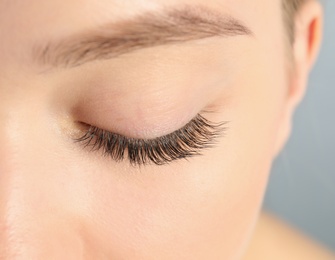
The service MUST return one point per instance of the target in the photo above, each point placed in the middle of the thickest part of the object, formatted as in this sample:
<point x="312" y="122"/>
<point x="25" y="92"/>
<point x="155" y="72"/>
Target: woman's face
<point x="60" y="200"/>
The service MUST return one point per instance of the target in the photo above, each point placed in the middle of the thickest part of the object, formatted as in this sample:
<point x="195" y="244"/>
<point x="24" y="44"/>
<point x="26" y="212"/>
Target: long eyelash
<point x="184" y="143"/>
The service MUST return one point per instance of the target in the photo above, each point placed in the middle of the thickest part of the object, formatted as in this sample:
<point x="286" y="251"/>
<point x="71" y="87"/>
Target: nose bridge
<point x="17" y="192"/>
<point x="32" y="220"/>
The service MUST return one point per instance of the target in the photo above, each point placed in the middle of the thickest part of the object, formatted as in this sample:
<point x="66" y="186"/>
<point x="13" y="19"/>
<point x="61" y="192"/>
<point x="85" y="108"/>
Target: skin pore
<point x="60" y="200"/>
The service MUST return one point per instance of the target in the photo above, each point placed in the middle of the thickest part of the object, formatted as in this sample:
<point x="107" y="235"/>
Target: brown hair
<point x="290" y="8"/>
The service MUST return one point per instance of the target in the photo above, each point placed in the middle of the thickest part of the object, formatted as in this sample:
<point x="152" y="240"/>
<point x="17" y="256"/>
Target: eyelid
<point x="183" y="143"/>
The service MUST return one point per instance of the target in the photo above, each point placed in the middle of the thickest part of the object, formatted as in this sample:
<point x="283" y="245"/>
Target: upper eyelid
<point x="200" y="114"/>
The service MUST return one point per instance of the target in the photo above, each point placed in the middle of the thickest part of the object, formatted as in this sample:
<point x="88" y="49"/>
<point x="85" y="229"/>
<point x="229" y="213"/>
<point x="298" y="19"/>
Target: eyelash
<point x="184" y="143"/>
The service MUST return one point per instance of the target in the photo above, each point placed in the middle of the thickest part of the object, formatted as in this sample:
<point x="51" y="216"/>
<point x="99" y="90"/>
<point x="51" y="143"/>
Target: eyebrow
<point x="150" y="29"/>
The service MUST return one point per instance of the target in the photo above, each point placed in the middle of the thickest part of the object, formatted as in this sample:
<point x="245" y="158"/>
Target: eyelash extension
<point x="184" y="143"/>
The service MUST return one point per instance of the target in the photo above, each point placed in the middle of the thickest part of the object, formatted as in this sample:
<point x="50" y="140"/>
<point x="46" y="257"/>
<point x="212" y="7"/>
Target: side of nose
<point x="35" y="217"/>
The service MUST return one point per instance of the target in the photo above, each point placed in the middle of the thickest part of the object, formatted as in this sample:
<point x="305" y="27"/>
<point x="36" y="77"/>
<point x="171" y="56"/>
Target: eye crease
<point x="184" y="143"/>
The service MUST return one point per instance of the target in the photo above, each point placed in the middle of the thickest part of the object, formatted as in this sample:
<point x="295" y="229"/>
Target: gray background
<point x="302" y="182"/>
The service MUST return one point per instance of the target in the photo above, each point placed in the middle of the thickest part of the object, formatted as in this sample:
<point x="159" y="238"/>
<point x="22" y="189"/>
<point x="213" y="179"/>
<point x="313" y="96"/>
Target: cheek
<point x="210" y="206"/>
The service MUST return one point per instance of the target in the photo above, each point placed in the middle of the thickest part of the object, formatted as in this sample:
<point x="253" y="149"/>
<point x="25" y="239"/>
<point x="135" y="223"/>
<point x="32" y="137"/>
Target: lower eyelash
<point x="184" y="143"/>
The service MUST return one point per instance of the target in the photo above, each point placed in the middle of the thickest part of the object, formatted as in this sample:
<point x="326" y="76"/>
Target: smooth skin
<point x="61" y="201"/>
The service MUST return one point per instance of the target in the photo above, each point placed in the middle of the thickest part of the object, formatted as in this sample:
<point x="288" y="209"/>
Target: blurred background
<point x="302" y="183"/>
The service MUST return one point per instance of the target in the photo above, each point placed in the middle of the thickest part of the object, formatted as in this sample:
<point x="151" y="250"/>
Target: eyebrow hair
<point x="150" y="29"/>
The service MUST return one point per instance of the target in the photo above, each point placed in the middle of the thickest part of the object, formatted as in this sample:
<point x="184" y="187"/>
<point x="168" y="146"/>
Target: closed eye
<point x="184" y="143"/>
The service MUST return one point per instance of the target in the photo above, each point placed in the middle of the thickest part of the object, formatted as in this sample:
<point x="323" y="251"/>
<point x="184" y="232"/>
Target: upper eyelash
<point x="186" y="142"/>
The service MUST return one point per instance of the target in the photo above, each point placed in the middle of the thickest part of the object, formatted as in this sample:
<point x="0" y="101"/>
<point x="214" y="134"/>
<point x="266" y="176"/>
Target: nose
<point x="36" y="220"/>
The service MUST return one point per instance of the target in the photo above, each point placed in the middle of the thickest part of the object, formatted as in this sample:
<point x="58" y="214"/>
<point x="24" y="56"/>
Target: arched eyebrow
<point x="150" y="29"/>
